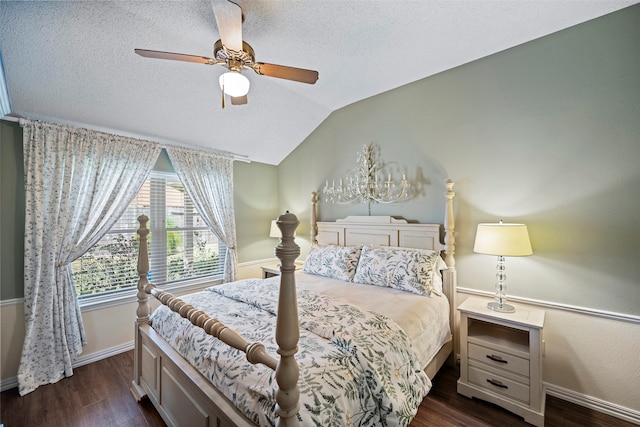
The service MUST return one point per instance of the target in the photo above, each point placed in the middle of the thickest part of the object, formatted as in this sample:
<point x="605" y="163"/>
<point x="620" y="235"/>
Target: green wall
<point x="546" y="133"/>
<point x="11" y="211"/>
<point x="255" y="198"/>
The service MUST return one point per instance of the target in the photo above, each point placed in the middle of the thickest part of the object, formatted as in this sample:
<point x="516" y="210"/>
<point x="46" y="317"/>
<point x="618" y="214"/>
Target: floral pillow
<point x="336" y="262"/>
<point x="411" y="270"/>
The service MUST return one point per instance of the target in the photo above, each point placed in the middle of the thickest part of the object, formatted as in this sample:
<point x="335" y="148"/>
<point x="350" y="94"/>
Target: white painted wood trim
<point x="103" y="354"/>
<point x="13" y="301"/>
<point x="130" y="296"/>
<point x="611" y="315"/>
<point x="596" y="404"/>
<point x="380" y="219"/>
<point x="623" y="317"/>
<point x="8" y="384"/>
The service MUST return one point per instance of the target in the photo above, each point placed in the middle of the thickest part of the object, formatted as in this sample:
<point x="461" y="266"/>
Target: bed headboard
<point x="379" y="230"/>
<point x="388" y="231"/>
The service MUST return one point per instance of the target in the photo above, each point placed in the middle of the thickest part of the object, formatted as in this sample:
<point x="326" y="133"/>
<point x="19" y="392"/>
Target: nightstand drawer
<point x="499" y="384"/>
<point x="499" y="359"/>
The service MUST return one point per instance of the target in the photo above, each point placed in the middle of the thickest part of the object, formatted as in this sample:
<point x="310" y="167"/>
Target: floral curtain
<point x="208" y="179"/>
<point x="77" y="184"/>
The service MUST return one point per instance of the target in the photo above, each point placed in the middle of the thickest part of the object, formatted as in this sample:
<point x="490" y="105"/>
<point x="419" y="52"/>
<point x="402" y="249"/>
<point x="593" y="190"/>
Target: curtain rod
<point x="239" y="157"/>
<point x="23" y="122"/>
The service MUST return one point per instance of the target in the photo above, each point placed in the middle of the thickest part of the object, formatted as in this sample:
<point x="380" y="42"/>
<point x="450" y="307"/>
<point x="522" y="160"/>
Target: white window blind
<point x="181" y="247"/>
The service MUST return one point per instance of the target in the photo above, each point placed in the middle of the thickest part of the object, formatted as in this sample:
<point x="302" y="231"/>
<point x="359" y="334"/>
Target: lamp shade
<point x="234" y="84"/>
<point x="275" y="231"/>
<point x="502" y="240"/>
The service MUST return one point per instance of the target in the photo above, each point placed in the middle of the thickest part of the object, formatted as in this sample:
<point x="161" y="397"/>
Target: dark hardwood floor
<point x="98" y="395"/>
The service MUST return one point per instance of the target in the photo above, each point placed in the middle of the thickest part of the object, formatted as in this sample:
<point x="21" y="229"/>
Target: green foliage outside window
<point x="113" y="266"/>
<point x="109" y="267"/>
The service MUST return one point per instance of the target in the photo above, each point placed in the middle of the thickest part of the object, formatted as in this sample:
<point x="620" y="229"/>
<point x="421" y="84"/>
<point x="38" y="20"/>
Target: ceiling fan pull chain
<point x="223" y="92"/>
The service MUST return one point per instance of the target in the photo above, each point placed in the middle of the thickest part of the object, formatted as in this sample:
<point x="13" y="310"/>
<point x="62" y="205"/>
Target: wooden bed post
<point x="314" y="219"/>
<point x="449" y="227"/>
<point x="143" y="311"/>
<point x="450" y="275"/>
<point x="287" y="328"/>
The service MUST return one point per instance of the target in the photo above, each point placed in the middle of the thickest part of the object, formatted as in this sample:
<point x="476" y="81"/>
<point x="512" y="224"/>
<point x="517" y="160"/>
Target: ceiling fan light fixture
<point x="234" y="84"/>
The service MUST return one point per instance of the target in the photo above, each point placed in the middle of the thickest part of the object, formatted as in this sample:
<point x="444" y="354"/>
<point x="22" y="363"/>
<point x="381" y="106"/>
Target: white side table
<point x="501" y="358"/>
<point x="274" y="269"/>
<point x="270" y="271"/>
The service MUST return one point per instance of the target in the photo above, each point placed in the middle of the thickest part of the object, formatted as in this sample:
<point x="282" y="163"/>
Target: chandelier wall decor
<point x="368" y="182"/>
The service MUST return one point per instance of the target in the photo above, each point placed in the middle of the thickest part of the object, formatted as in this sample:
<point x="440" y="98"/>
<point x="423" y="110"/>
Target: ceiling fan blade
<point x="175" y="56"/>
<point x="289" y="73"/>
<point x="229" y="20"/>
<point x="238" y="100"/>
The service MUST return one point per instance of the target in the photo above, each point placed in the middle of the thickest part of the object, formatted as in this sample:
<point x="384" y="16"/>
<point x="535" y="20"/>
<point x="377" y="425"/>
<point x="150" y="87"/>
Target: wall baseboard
<point x="9" y="383"/>
<point x="14" y="301"/>
<point x="103" y="354"/>
<point x="596" y="404"/>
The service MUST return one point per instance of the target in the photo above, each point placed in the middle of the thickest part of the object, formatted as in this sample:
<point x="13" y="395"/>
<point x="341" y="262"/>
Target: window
<point x="181" y="246"/>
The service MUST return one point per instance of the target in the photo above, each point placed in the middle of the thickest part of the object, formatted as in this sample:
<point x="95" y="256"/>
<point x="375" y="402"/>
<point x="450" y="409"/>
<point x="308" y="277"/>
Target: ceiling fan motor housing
<point x="234" y="60"/>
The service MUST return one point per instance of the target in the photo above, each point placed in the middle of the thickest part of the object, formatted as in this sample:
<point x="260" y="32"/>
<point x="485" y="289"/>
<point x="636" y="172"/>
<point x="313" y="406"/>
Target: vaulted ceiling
<point x="73" y="61"/>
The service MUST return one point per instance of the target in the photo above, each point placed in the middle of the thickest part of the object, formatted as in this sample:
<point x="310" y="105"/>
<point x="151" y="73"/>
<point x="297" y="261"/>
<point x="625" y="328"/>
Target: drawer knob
<point x="496" y="358"/>
<point x="497" y="384"/>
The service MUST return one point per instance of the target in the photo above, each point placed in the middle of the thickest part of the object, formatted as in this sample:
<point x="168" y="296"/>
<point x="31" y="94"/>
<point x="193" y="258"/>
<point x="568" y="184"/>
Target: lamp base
<point x="502" y="308"/>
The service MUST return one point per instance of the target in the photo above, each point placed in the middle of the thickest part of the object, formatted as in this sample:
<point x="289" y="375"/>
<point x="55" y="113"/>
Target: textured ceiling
<point x="73" y="62"/>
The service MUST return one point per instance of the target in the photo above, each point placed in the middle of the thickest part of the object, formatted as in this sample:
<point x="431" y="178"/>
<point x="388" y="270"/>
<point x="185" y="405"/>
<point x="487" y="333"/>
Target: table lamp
<point x="275" y="231"/>
<point x="502" y="240"/>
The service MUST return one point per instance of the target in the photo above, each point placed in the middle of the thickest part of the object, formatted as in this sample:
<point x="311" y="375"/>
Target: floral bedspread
<point x="357" y="368"/>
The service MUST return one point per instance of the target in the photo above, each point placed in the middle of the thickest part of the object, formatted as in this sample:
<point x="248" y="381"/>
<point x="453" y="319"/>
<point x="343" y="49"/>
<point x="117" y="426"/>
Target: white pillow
<point x="437" y="275"/>
<point x="412" y="270"/>
<point x="337" y="262"/>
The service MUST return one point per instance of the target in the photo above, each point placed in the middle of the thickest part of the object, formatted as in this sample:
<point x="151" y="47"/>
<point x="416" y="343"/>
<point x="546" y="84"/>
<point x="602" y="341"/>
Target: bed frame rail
<point x="287" y="329"/>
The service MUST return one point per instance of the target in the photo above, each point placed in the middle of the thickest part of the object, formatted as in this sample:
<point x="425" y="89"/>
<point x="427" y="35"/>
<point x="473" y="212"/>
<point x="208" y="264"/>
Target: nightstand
<point x="501" y="358"/>
<point x="274" y="269"/>
<point x="270" y="271"/>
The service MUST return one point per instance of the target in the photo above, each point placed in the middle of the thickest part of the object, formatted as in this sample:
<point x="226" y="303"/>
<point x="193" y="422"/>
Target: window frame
<point x="159" y="210"/>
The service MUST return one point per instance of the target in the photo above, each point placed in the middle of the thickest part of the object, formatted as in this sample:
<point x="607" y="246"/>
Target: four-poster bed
<point x="307" y="318"/>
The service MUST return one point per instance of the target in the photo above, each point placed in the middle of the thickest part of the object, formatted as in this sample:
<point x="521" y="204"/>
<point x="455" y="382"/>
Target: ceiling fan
<point x="234" y="54"/>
